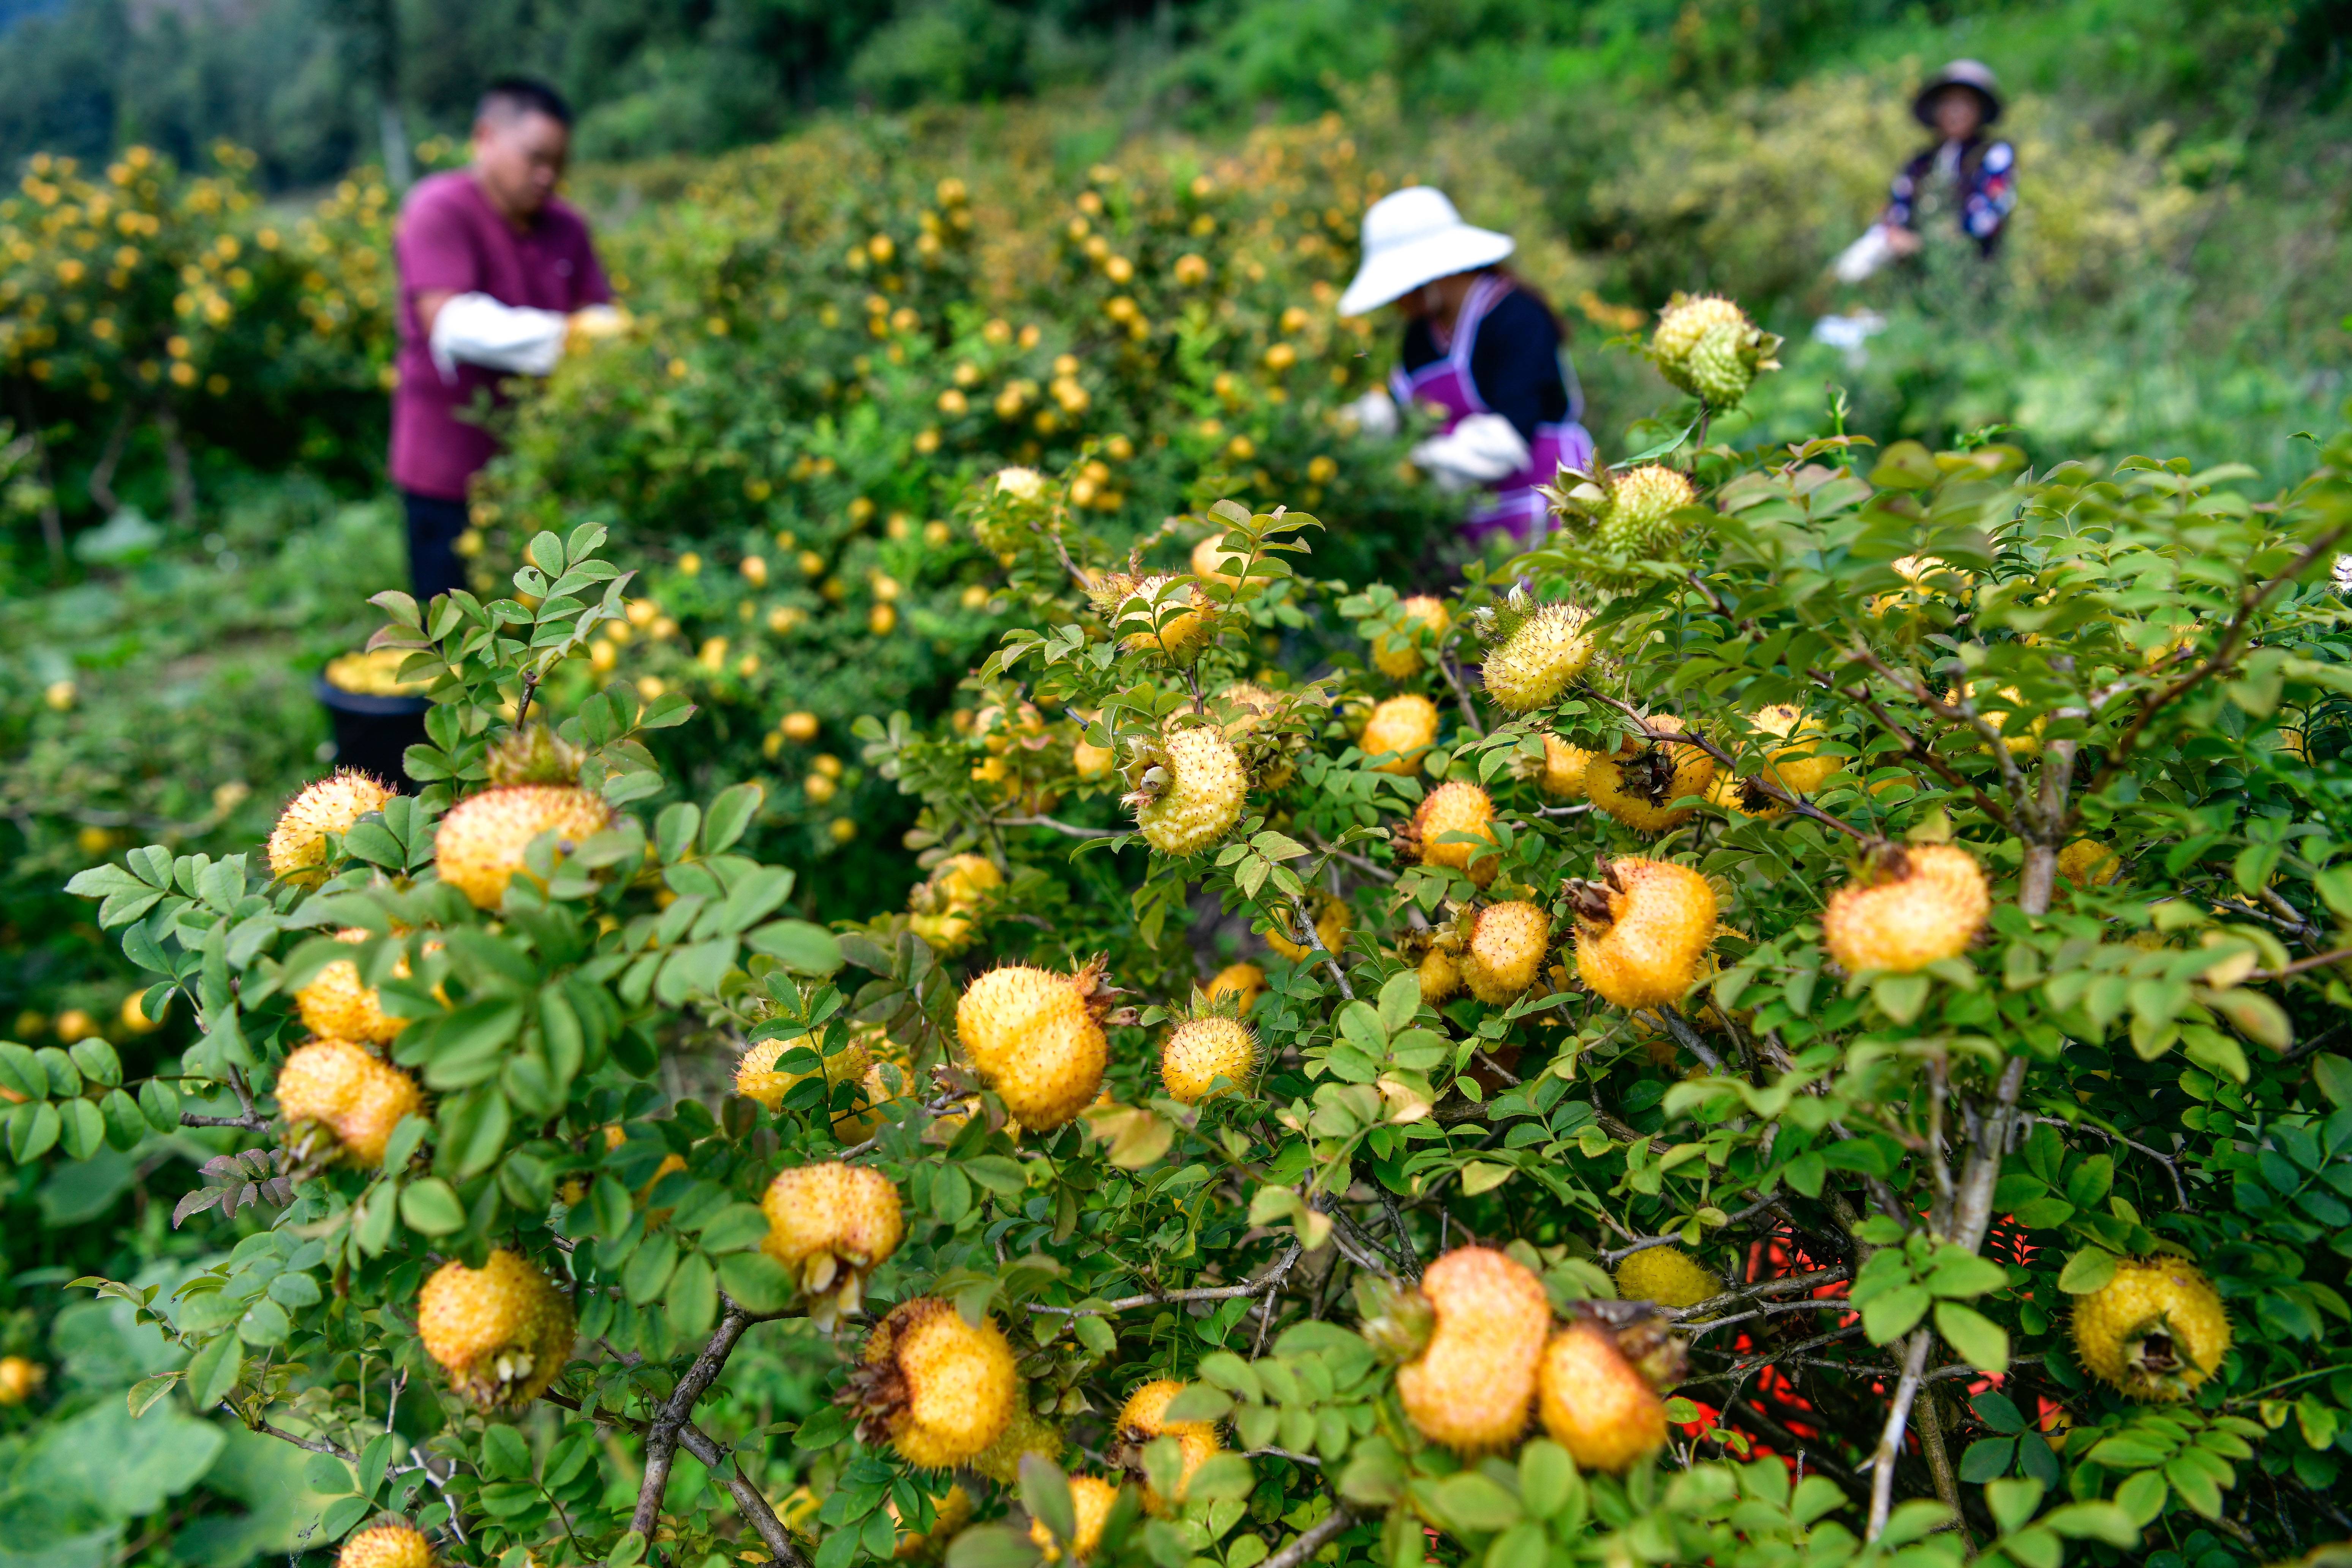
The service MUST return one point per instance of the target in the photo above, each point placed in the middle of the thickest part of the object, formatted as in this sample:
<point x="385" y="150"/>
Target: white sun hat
<point x="1411" y="237"/>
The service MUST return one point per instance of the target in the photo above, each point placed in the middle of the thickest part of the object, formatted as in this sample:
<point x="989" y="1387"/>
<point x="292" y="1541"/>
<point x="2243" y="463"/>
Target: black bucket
<point x="373" y="733"/>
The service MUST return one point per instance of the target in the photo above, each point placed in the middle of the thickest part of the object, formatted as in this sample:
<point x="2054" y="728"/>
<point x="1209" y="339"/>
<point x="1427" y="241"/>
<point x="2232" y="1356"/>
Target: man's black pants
<point x="433" y="564"/>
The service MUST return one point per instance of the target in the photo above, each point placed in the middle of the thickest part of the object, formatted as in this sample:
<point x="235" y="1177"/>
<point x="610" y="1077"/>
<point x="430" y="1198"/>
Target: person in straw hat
<point x="1482" y="351"/>
<point x="1966" y="178"/>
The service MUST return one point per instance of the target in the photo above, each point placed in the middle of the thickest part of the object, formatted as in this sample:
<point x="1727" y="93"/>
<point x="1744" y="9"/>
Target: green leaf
<point x="430" y="1208"/>
<point x="728" y="816"/>
<point x="212" y="1372"/>
<point x="1045" y="1493"/>
<point x="1895" y="1314"/>
<point x="1547" y="1477"/>
<point x="2101" y="1522"/>
<point x="1982" y="1344"/>
<point x="693" y="1299"/>
<point x="1900" y="996"/>
<point x="2087" y="1271"/>
<point x="799" y="946"/>
<point x="756" y="1282"/>
<point x="1987" y="1459"/>
<point x="1475" y="1502"/>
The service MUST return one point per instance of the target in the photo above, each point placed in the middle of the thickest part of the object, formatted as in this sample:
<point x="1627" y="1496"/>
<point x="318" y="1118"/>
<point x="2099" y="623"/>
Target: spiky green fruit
<point x="1538" y="657"/>
<point x="1723" y="365"/>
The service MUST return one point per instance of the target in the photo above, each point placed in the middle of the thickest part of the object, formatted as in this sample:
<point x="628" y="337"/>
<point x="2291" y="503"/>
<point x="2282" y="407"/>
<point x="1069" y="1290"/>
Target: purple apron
<point x="1510" y="504"/>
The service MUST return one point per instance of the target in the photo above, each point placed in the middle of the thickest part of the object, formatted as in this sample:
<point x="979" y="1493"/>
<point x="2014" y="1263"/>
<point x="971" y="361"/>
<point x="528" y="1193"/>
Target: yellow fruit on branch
<point x="20" y="1378"/>
<point x="830" y="1225"/>
<point x="1424" y="620"/>
<point x="1538" y="652"/>
<point x="1506" y="951"/>
<point x="479" y="845"/>
<point x="1330" y="929"/>
<point x="1399" y="733"/>
<point x="1036" y="1038"/>
<point x="1910" y="906"/>
<point x="502" y="1333"/>
<point x="950" y="1514"/>
<point x="1457" y="808"/>
<point x="937" y="1388"/>
<point x="1596" y="1404"/>
<point x="336" y="1006"/>
<point x="1472" y="1384"/>
<point x="1639" y="787"/>
<point x="757" y="1076"/>
<point x="1244" y="982"/>
<point x="1561" y="775"/>
<point x="1163" y="614"/>
<point x="342" y="1090"/>
<point x="1643" y="930"/>
<point x="1143" y="1419"/>
<point x="1793" y="769"/>
<point x="2087" y="863"/>
<point x="1091" y="1498"/>
<point x="1208" y="1055"/>
<point x="1191" y="792"/>
<point x="1668" y="1276"/>
<point x="394" y="1543"/>
<point x="1440" y="973"/>
<point x="333" y="805"/>
<point x="2154" y="1331"/>
<point x="1027" y="1433"/>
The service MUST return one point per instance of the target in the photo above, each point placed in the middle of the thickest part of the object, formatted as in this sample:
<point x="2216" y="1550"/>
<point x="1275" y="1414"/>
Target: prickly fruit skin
<point x="18" y="1378"/>
<point x="394" y="1543"/>
<point x="1246" y="982"/>
<point x="1144" y="1417"/>
<point x="1649" y="946"/>
<point x="1686" y="320"/>
<point x="1033" y="1037"/>
<point x="1027" y="1433"/>
<point x="336" y="1006"/>
<point x="355" y="1096"/>
<point x="1595" y="1404"/>
<point x="1200" y="1051"/>
<point x="502" y="1332"/>
<point x="1562" y="777"/>
<point x="1534" y="663"/>
<point x="1441" y="976"/>
<point x="1640" y="504"/>
<point x="1457" y="807"/>
<point x="944" y="905"/>
<point x="479" y="845"/>
<point x="1471" y="1386"/>
<point x="1396" y="654"/>
<point x="1090" y="1500"/>
<point x="1668" y="1276"/>
<point x="939" y="1389"/>
<point x="1722" y="365"/>
<point x="1639" y="789"/>
<point x="758" y="1077"/>
<point x="2087" y="863"/>
<point x="1171" y="618"/>
<point x="1927" y="903"/>
<point x="1203" y="798"/>
<point x="2154" y="1331"/>
<point x="1505" y="953"/>
<point x="1330" y="930"/>
<point x="1404" y="726"/>
<point x="331" y="805"/>
<point x="1793" y="769"/>
<point x="831" y="1218"/>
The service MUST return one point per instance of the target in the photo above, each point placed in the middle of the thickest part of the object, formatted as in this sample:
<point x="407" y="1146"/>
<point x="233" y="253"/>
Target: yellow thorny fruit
<point x="1159" y="614"/>
<point x="1596" y="1405"/>
<point x="1142" y="1419"/>
<point x="1911" y="906"/>
<point x="332" y="805"/>
<point x="944" y="905"/>
<point x="1440" y="973"/>
<point x="1330" y="930"/>
<point x="1793" y="769"/>
<point x="938" y="1389"/>
<point x="1643" y="930"/>
<point x="831" y="1223"/>
<point x="2154" y="1331"/>
<point x="1450" y="808"/>
<point x="1027" y="1433"/>
<point x="1036" y="1037"/>
<point x="1090" y="1501"/>
<point x="1506" y="951"/>
<point x="336" y="1006"/>
<point x="501" y="1331"/>
<point x="1685" y="319"/>
<point x="757" y="1076"/>
<point x="1924" y="577"/>
<point x="394" y="1543"/>
<point x="1192" y="791"/>
<point x="1200" y="1051"/>
<point x="1706" y="346"/>
<point x="1244" y="982"/>
<point x="1562" y="773"/>
<point x="1639" y="789"/>
<point x="342" y="1089"/>
<point x="2087" y="863"/>
<point x="1399" y="733"/>
<point x="1397" y="654"/>
<point x="1471" y="1385"/>
<point x="479" y="845"/>
<point x="1668" y="1276"/>
<point x="1535" y="662"/>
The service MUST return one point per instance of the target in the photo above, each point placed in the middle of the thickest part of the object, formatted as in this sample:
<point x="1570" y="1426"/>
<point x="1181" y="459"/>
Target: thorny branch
<point x="673" y="1414"/>
<point x="1251" y="1287"/>
<point x="1312" y="1538"/>
<point x="1315" y="940"/>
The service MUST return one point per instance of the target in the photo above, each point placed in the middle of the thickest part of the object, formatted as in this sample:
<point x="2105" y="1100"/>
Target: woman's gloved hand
<point x="592" y="325"/>
<point x="1479" y="451"/>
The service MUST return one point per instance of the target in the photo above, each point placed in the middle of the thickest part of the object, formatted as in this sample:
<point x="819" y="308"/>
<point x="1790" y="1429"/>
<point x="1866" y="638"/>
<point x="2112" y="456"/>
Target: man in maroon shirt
<point x="495" y="275"/>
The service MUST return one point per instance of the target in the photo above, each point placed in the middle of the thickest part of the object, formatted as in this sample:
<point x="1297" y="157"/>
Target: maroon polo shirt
<point x="451" y="237"/>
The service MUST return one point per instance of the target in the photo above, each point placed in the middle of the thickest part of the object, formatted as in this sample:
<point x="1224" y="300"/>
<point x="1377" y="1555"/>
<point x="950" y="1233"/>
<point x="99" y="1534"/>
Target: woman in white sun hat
<point x="1482" y="350"/>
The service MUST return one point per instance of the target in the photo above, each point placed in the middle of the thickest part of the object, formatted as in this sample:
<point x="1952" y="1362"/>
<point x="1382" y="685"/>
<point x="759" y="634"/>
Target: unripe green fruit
<point x="1536" y="662"/>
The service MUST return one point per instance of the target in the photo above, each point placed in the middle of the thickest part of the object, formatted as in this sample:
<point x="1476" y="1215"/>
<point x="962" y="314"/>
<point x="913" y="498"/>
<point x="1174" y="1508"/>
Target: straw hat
<point x="1411" y="237"/>
<point x="1975" y="75"/>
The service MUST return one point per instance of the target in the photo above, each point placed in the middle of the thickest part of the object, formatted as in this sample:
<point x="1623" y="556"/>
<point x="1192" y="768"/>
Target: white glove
<point x="1865" y="256"/>
<point x="474" y="329"/>
<point x="1375" y="415"/>
<point x="1479" y="451"/>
